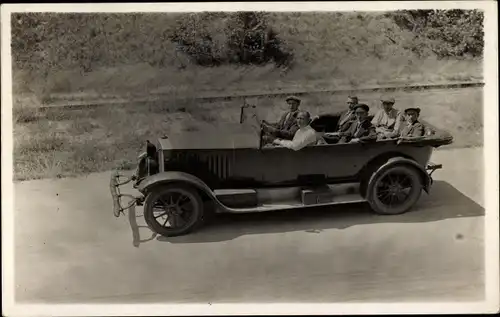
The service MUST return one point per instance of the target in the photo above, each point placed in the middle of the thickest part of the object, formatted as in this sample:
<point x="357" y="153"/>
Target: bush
<point x="48" y="42"/>
<point x="447" y="33"/>
<point x="212" y="39"/>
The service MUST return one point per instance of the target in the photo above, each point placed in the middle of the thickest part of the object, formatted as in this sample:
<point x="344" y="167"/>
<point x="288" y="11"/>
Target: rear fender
<point x="395" y="161"/>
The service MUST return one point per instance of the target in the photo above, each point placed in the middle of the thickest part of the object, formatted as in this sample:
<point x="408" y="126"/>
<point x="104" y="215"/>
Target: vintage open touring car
<point x="185" y="179"/>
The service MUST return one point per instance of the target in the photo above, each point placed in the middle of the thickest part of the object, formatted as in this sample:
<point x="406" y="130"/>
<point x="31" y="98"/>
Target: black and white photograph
<point x="250" y="158"/>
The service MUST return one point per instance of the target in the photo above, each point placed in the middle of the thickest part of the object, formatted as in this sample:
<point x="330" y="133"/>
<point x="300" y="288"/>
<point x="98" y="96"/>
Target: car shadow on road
<point x="444" y="202"/>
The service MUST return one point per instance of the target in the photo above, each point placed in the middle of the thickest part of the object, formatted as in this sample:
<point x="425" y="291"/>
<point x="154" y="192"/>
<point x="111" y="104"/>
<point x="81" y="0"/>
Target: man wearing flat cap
<point x="361" y="129"/>
<point x="286" y="127"/>
<point x="387" y="121"/>
<point x="413" y="129"/>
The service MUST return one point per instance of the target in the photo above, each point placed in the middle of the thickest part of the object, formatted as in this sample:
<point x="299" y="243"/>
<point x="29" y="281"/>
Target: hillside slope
<point x="133" y="53"/>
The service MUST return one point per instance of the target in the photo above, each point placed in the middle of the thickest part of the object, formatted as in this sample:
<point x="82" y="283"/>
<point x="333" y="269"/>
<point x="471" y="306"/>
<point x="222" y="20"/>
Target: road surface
<point x="69" y="248"/>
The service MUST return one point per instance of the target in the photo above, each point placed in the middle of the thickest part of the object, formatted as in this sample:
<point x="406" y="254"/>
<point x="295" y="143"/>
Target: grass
<point x="61" y="143"/>
<point x="142" y="79"/>
<point x="348" y="49"/>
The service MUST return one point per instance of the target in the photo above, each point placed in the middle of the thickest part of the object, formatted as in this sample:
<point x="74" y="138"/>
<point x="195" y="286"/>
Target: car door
<point x="283" y="166"/>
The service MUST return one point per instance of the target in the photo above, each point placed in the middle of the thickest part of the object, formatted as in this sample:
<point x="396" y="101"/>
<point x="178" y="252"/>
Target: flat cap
<point x="388" y="99"/>
<point x="293" y="98"/>
<point x="353" y="98"/>
<point x="363" y="106"/>
<point x="417" y="110"/>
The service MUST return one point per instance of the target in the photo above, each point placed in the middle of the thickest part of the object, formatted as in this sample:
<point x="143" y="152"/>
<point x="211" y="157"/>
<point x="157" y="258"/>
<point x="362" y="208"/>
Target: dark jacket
<point x="345" y="120"/>
<point x="415" y="130"/>
<point x="287" y="127"/>
<point x="365" y="132"/>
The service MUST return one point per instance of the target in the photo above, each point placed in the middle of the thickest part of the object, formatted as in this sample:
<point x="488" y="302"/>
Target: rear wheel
<point x="395" y="190"/>
<point x="173" y="210"/>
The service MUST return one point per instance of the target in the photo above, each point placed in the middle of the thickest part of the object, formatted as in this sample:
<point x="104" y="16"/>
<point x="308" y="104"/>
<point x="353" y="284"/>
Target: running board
<point x="261" y="200"/>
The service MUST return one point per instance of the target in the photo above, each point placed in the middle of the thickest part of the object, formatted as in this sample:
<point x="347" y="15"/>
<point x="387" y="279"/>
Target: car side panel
<point x="342" y="161"/>
<point x="243" y="168"/>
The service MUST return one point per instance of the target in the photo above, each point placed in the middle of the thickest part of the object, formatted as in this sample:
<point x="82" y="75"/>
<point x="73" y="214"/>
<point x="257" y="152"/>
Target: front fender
<point x="169" y="177"/>
<point x="426" y="179"/>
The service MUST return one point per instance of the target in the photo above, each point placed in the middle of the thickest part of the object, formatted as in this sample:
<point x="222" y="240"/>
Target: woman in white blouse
<point x="304" y="136"/>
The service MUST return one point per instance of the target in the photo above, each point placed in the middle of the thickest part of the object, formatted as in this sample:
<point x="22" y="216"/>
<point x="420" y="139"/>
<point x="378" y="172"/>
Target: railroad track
<point x="65" y="101"/>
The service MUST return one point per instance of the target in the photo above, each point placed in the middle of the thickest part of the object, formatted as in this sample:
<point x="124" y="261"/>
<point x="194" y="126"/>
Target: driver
<point x="287" y="126"/>
<point x="303" y="137"/>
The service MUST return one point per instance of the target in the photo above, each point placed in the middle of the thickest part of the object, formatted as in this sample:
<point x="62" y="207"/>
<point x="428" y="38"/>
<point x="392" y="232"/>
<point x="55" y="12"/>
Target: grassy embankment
<point x="59" y="142"/>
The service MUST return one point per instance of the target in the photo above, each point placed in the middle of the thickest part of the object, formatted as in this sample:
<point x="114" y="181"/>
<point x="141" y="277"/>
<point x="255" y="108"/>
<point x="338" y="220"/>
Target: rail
<point x="65" y="101"/>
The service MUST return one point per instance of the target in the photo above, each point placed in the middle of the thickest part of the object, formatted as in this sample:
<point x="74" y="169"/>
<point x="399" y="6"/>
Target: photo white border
<point x="490" y="305"/>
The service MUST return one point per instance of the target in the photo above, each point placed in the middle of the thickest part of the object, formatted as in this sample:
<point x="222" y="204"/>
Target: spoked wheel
<point x="173" y="210"/>
<point x="396" y="190"/>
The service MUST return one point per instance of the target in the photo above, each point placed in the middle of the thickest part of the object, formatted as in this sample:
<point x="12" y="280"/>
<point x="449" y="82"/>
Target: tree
<point x="447" y="33"/>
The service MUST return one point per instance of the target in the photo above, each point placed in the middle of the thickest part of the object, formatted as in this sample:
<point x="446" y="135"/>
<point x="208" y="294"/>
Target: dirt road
<point x="70" y="248"/>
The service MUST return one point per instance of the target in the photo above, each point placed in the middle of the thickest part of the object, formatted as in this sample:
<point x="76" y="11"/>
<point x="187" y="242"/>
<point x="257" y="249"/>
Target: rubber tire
<point x="162" y="190"/>
<point x="415" y="193"/>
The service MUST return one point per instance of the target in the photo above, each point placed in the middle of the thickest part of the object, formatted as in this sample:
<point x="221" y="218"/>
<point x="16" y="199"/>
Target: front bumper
<point x="116" y="195"/>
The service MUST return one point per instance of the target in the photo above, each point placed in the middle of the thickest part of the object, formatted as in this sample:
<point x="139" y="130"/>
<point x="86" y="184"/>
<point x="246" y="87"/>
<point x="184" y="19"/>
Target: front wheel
<point x="173" y="210"/>
<point x="395" y="190"/>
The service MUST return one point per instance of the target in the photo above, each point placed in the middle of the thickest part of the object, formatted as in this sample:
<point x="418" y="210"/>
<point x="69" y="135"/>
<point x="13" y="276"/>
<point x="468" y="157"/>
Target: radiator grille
<point x="219" y="165"/>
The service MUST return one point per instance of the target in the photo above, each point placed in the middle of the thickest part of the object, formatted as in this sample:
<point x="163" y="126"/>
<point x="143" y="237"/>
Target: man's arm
<point x="270" y="124"/>
<point x="288" y="134"/>
<point x="417" y="133"/>
<point x="376" y="119"/>
<point x="420" y="130"/>
<point x="347" y="132"/>
<point x="399" y="120"/>
<point x="372" y="135"/>
<point x="395" y="133"/>
<point x="346" y="125"/>
<point x="275" y="124"/>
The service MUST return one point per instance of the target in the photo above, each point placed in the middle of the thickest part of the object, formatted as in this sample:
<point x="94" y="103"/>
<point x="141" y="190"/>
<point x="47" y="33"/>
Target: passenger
<point x="361" y="129"/>
<point x="287" y="126"/>
<point x="348" y="116"/>
<point x="387" y="121"/>
<point x="413" y="129"/>
<point x="304" y="136"/>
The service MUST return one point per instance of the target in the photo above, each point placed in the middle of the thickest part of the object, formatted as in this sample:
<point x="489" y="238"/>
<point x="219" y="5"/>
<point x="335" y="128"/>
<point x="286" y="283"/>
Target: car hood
<point x="211" y="139"/>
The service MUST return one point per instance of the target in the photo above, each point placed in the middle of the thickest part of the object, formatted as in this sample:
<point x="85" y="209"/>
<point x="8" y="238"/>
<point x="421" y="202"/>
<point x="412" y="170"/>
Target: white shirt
<point x="302" y="138"/>
<point x="391" y="120"/>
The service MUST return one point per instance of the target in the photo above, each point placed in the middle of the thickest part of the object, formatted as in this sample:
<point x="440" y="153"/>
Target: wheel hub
<point x="174" y="210"/>
<point x="395" y="188"/>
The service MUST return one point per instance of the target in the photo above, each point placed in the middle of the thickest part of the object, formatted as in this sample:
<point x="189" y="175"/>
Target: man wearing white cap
<point x="387" y="121"/>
